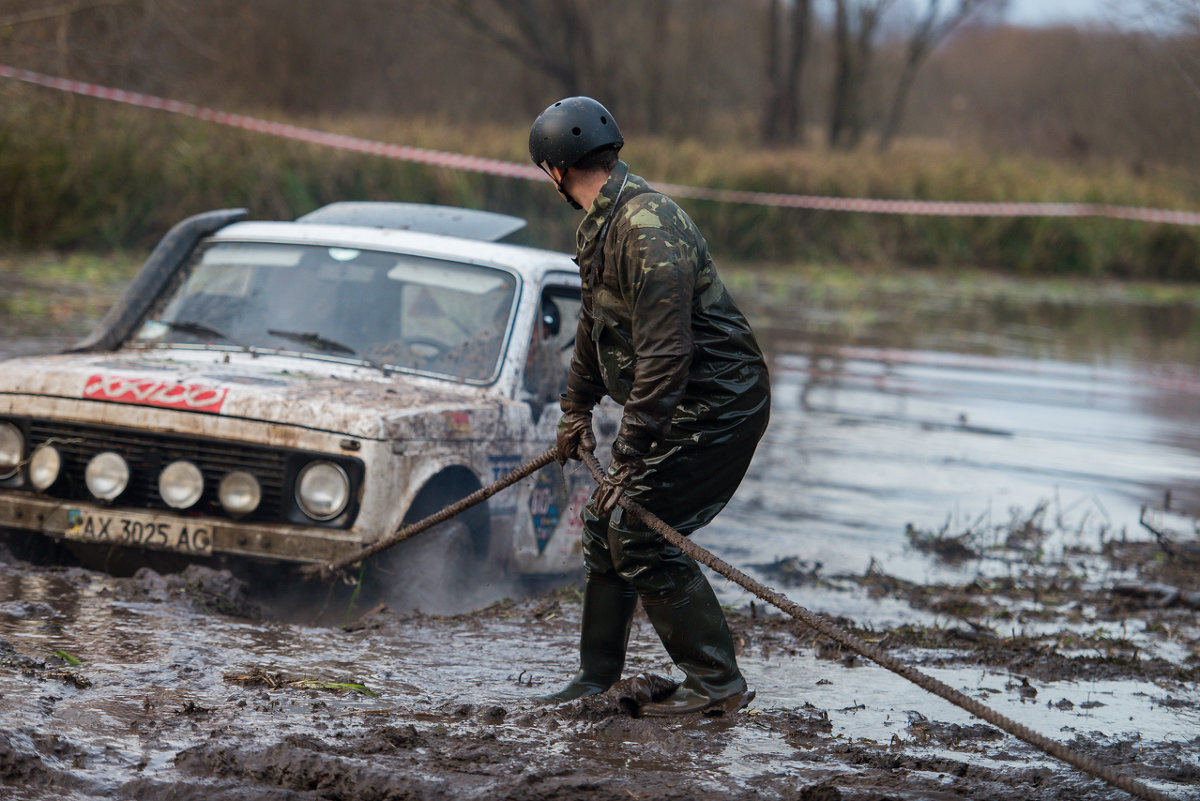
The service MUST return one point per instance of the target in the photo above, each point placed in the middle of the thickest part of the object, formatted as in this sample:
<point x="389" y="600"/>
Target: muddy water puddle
<point x="158" y="706"/>
<point x="1029" y="442"/>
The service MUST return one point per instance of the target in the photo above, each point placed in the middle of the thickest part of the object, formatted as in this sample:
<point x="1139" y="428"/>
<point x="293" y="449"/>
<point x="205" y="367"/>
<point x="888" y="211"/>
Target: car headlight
<point x="322" y="490"/>
<point x="180" y="484"/>
<point x="107" y="475"/>
<point x="240" y="493"/>
<point x="44" y="466"/>
<point x="12" y="448"/>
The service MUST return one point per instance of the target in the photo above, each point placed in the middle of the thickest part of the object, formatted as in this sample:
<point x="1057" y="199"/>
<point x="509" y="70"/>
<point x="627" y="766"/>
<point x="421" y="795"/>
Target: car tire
<point x="434" y="572"/>
<point x="442" y="570"/>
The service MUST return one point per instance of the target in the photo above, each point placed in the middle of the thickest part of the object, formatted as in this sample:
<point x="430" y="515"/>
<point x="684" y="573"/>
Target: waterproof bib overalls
<point x="659" y="334"/>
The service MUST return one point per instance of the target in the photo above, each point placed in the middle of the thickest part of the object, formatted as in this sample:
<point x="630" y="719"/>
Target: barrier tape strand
<point x="509" y="169"/>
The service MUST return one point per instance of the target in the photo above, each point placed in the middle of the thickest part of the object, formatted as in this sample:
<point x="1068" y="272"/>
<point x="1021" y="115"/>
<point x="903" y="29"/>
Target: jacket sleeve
<point x="584" y="385"/>
<point x="658" y="275"/>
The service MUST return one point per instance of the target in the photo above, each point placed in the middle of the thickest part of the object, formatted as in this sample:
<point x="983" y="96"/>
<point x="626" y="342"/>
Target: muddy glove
<point x="575" y="434"/>
<point x="627" y="463"/>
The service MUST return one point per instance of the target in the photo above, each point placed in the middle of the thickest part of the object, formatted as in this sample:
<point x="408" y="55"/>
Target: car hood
<point x="328" y="396"/>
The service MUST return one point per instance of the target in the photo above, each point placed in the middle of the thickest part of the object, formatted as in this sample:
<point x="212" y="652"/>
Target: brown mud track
<point x="182" y="687"/>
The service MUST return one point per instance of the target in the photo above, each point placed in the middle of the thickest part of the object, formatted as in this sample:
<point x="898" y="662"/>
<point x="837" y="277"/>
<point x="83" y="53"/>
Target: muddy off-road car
<point x="295" y="391"/>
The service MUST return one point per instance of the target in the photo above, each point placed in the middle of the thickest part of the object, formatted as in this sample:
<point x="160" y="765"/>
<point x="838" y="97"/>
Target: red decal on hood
<point x="155" y="392"/>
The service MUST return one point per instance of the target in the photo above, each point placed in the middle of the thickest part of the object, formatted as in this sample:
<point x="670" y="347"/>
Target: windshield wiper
<point x="314" y="340"/>
<point x="203" y="329"/>
<point x="327" y="345"/>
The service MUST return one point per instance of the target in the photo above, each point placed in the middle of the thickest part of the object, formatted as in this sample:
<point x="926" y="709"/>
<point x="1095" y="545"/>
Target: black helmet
<point x="569" y="130"/>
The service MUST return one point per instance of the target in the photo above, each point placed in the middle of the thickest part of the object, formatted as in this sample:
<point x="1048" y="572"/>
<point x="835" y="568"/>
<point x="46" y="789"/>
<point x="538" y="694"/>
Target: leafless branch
<point x="59" y="11"/>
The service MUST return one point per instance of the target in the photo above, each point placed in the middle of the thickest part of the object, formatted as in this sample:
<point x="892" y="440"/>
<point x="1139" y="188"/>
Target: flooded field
<point x="961" y="478"/>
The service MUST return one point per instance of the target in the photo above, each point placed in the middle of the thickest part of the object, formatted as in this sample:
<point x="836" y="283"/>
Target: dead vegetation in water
<point x="1071" y="614"/>
<point x="275" y="680"/>
<point x="1022" y="536"/>
<point x="301" y="744"/>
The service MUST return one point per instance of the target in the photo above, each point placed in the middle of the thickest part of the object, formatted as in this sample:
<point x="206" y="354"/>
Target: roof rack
<point x="487" y="226"/>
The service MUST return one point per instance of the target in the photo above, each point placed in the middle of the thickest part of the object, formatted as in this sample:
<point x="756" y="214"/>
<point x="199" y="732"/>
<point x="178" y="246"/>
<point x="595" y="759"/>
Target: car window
<point x="553" y="342"/>
<point x="404" y="311"/>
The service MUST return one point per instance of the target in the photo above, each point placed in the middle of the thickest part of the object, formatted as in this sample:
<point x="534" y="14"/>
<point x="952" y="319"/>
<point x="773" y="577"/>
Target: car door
<point x="550" y="540"/>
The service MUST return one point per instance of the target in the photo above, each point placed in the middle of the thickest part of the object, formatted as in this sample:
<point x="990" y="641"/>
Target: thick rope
<point x="840" y="635"/>
<point x="332" y="569"/>
<point x="786" y="605"/>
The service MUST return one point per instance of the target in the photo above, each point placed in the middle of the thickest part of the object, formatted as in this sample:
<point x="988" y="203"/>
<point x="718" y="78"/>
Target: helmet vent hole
<point x="604" y="120"/>
<point x="576" y="131"/>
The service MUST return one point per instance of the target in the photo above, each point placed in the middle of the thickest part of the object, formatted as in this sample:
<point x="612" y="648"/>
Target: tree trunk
<point x="899" y="105"/>
<point x="924" y="40"/>
<point x="843" y="80"/>
<point x="787" y="46"/>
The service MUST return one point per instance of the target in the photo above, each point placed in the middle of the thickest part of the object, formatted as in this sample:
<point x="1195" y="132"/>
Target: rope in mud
<point x="332" y="569"/>
<point x="840" y="635"/>
<point x="786" y="605"/>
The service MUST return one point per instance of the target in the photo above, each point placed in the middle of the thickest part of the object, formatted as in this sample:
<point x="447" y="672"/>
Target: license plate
<point x="137" y="530"/>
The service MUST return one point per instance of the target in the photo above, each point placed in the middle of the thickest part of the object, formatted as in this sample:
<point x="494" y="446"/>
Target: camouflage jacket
<point x="657" y="331"/>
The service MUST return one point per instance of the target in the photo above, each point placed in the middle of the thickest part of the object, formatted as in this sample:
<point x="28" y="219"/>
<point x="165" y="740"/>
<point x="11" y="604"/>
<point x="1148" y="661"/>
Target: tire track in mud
<point x="161" y="720"/>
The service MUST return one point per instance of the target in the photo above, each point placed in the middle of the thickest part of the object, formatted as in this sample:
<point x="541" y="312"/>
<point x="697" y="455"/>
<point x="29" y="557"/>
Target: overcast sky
<point x="1045" y="12"/>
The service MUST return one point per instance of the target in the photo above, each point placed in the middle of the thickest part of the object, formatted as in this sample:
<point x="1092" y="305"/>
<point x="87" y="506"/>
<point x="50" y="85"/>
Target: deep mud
<point x="189" y="686"/>
<point x="1062" y="613"/>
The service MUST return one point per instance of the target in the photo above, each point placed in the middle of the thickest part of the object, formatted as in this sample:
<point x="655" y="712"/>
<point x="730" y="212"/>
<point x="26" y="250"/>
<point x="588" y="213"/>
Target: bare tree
<point x="1183" y="15"/>
<point x="553" y="37"/>
<point x="855" y="24"/>
<point x="789" y="29"/>
<point x="1178" y="20"/>
<point x="59" y="15"/>
<point x="932" y="28"/>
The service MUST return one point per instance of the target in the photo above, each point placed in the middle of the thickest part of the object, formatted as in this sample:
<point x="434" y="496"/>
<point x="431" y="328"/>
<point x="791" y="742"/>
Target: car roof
<point x="487" y="226"/>
<point x="531" y="263"/>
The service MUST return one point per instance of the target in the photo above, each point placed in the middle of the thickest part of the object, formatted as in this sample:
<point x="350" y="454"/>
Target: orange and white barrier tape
<point x="508" y="169"/>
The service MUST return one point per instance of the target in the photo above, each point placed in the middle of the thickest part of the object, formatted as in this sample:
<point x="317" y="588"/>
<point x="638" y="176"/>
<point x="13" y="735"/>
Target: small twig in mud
<point x="1163" y="595"/>
<point x="955" y="548"/>
<point x="71" y="677"/>
<point x="258" y="677"/>
<point x="791" y="571"/>
<point x="365" y="712"/>
<point x="192" y="708"/>
<point x="1164" y="541"/>
<point x="1030" y="530"/>
<point x="365" y="619"/>
<point x="521" y="681"/>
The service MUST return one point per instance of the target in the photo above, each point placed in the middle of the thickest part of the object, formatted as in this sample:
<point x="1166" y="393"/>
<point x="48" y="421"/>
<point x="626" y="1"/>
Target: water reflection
<point x="936" y="403"/>
<point x="936" y="411"/>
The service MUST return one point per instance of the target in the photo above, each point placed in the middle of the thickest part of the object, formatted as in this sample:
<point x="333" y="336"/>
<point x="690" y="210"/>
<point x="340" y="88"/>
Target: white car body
<point x="392" y="432"/>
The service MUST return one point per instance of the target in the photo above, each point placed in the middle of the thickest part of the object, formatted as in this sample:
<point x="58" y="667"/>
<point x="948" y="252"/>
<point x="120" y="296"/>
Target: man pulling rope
<point x="657" y="332"/>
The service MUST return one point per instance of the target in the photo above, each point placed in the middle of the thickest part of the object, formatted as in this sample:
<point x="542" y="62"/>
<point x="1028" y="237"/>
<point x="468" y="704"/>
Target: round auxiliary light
<point x="44" y="466"/>
<point x="107" y="475"/>
<point x="180" y="484"/>
<point x="322" y="490"/>
<point x="240" y="493"/>
<point x="12" y="448"/>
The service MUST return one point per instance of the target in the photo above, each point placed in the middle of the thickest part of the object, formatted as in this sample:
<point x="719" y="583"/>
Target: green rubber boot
<point x="693" y="629"/>
<point x="608" y="605"/>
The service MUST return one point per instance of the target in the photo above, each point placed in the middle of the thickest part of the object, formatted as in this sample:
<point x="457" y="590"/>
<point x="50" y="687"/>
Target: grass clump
<point x="89" y="174"/>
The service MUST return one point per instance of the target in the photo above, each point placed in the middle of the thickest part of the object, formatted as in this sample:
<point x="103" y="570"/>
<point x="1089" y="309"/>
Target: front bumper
<point x="199" y="536"/>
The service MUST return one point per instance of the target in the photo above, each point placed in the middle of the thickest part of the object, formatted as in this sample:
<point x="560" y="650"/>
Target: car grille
<point x="149" y="453"/>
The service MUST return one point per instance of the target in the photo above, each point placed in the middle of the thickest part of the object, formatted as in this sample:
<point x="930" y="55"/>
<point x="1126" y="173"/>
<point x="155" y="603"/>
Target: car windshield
<point x="396" y="310"/>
